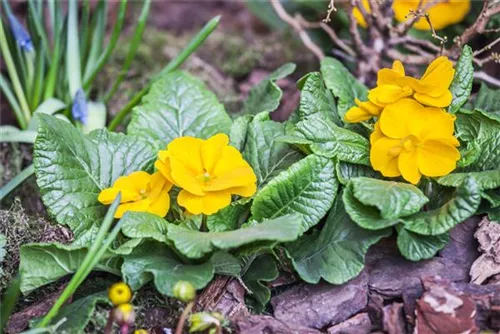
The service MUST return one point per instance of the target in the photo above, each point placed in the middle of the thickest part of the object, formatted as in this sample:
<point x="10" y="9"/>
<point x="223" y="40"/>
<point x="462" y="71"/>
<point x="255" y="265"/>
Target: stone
<point x="262" y="324"/>
<point x="393" y="320"/>
<point x="359" y="324"/>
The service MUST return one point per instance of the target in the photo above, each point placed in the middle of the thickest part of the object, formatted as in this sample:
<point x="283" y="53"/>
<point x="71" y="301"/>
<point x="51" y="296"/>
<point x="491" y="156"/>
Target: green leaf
<point x="267" y="156"/>
<point x="226" y="264"/>
<point x="72" y="169"/>
<point x="43" y="263"/>
<point x="462" y="206"/>
<point x="393" y="199"/>
<point x="337" y="252"/>
<point x="307" y="188"/>
<point x="483" y="129"/>
<point x="331" y="141"/>
<point x="316" y="99"/>
<point x="488" y="100"/>
<point x="417" y="247"/>
<point x="266" y="96"/>
<point x="492" y="196"/>
<point x="229" y="218"/>
<point x="347" y="171"/>
<point x="469" y="154"/>
<point x="238" y="133"/>
<point x="11" y="134"/>
<point x="343" y="84"/>
<point x="263" y="269"/>
<point x="178" y="105"/>
<point x="486" y="180"/>
<point x="153" y="260"/>
<point x="79" y="313"/>
<point x="367" y="217"/>
<point x="196" y="244"/>
<point x="144" y="225"/>
<point x="461" y="85"/>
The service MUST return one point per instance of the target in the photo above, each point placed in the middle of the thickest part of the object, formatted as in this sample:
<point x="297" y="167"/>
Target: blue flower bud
<point x="80" y="109"/>
<point x="20" y="34"/>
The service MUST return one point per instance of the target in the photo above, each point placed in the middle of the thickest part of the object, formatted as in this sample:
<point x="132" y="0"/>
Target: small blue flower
<point x="80" y="110"/>
<point x="20" y="34"/>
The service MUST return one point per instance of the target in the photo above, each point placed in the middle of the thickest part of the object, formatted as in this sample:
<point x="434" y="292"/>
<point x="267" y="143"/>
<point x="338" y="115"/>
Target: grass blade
<point x="40" y="30"/>
<point x="6" y="89"/>
<point x="99" y="29"/>
<point x="84" y="30"/>
<point x="9" y="300"/>
<point x="73" y="70"/>
<point x="38" y="80"/>
<point x="16" y="181"/>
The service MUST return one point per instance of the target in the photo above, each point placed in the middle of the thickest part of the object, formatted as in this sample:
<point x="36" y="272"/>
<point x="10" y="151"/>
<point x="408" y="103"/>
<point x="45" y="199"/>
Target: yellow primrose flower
<point x="208" y="171"/>
<point x="119" y="293"/>
<point x="412" y="140"/>
<point x="140" y="192"/>
<point x="362" y="112"/>
<point x="431" y="89"/>
<point x="358" y="15"/>
<point x="442" y="14"/>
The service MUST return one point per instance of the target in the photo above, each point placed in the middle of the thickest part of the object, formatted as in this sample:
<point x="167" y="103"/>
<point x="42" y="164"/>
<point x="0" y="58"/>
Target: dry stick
<point x="278" y="8"/>
<point x="487" y="47"/>
<point x="494" y="56"/>
<point x="414" y="41"/>
<point x="377" y="16"/>
<point x="353" y="29"/>
<point x="331" y="9"/>
<point x="442" y="40"/>
<point x="486" y="78"/>
<point x="183" y="318"/>
<point x="403" y="27"/>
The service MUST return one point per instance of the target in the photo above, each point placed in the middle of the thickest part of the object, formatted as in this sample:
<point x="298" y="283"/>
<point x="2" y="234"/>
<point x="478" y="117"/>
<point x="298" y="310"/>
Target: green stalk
<point x="73" y="70"/>
<point x="29" y="57"/>
<point x="97" y="37"/>
<point x="38" y="81"/>
<point x="54" y="69"/>
<point x="171" y="66"/>
<point x="13" y="74"/>
<point x="136" y="40"/>
<point x="37" y="20"/>
<point x="86" y="267"/>
<point x="5" y="87"/>
<point x="16" y="181"/>
<point x="84" y="30"/>
<point x="88" y="79"/>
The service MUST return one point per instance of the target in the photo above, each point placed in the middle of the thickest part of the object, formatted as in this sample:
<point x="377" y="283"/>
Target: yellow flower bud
<point x="141" y="331"/>
<point x="124" y="314"/>
<point x="184" y="291"/>
<point x="120" y="293"/>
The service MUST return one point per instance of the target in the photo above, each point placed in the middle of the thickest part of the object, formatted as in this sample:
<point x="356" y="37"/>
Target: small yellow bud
<point x="120" y="293"/>
<point x="124" y="314"/>
<point x="202" y="321"/>
<point x="141" y="331"/>
<point x="184" y="291"/>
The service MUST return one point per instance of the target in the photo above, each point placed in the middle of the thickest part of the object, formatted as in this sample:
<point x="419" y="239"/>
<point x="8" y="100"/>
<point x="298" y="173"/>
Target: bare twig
<point x="442" y="40"/>
<point x="487" y="47"/>
<point x="487" y="78"/>
<point x="304" y="36"/>
<point x="331" y="9"/>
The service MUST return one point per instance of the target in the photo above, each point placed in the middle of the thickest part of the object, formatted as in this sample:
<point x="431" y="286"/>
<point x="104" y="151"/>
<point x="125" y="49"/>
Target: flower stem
<point x="183" y="318"/>
<point x="203" y="227"/>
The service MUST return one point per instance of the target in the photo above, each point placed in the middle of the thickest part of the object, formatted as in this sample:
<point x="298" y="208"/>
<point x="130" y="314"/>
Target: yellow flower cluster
<point x="441" y="13"/>
<point x="208" y="172"/>
<point x="413" y="135"/>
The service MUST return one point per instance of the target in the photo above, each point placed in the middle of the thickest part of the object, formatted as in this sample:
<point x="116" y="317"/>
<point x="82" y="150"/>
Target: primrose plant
<point x="205" y="194"/>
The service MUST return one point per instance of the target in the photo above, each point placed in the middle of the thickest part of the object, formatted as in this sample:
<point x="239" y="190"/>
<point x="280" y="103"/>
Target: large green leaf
<point x="307" y="188"/>
<point x="484" y="130"/>
<point x="335" y="254"/>
<point x="393" y="199"/>
<point x="488" y="100"/>
<point x="178" y="105"/>
<point x="229" y="218"/>
<point x="416" y="247"/>
<point x="72" y="169"/>
<point x="267" y="156"/>
<point x="238" y="133"/>
<point x="347" y="171"/>
<point x="366" y="216"/>
<point x="486" y="180"/>
<point x="226" y="264"/>
<point x="154" y="260"/>
<point x="492" y="196"/>
<point x="327" y="139"/>
<point x="461" y="85"/>
<point x="196" y="244"/>
<point x="144" y="225"/>
<point x="342" y="83"/>
<point x="316" y="99"/>
<point x="266" y="96"/>
<point x="462" y="206"/>
<point x="263" y="269"/>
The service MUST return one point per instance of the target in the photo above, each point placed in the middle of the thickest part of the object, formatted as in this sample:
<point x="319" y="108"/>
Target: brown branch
<point x="333" y="36"/>
<point x="278" y="8"/>
<point x="487" y="47"/>
<point x="353" y="29"/>
<point x="487" y="78"/>
<point x="331" y="9"/>
<point x="411" y="59"/>
<point x="414" y="41"/>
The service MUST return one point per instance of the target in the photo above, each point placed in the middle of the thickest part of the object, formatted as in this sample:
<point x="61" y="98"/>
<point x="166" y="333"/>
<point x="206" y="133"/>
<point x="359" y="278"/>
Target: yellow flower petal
<point x="244" y="191"/>
<point x="376" y="134"/>
<point x="163" y="166"/>
<point x="107" y="196"/>
<point x="212" y="149"/>
<point x="139" y="206"/>
<point x="382" y="160"/>
<point x="386" y="94"/>
<point x="235" y="177"/>
<point x="158" y="184"/>
<point x="133" y="182"/>
<point x="185" y="178"/>
<point x="436" y="158"/>
<point x="432" y="123"/>
<point x="187" y="150"/>
<point x="356" y="115"/>
<point x="388" y="76"/>
<point x="358" y="15"/>
<point x="160" y="204"/>
<point x="397" y="118"/>
<point x="207" y="204"/>
<point x="408" y="166"/>
<point x="441" y="101"/>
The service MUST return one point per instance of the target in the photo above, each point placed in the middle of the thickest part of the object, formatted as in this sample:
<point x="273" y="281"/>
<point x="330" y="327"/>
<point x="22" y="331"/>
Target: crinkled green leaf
<point x="488" y="100"/>
<point x="267" y="156"/>
<point x="263" y="269"/>
<point x="196" y="244"/>
<point x="492" y="196"/>
<point x="238" y="133"/>
<point x="462" y="206"/>
<point x="337" y="252"/>
<point x="229" y="218"/>
<point x="307" y="188"/>
<point x="72" y="169"/>
<point x="486" y="180"/>
<point x="461" y="85"/>
<point x="266" y="96"/>
<point x="343" y="84"/>
<point x="417" y="247"/>
<point x="393" y="199"/>
<point x="177" y="105"/>
<point x="155" y="261"/>
<point x="315" y="98"/>
<point x="347" y="171"/>
<point x="469" y="154"/>
<point x="144" y="225"/>
<point x="327" y="139"/>
<point x="485" y="131"/>
<point x="226" y="264"/>
<point x="365" y="216"/>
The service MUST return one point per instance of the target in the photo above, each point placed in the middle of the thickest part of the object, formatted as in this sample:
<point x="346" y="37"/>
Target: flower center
<point x="409" y="144"/>
<point x="143" y="193"/>
<point x="206" y="177"/>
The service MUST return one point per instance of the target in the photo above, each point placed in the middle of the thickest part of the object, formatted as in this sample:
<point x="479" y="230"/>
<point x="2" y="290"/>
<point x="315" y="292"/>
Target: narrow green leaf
<point x="16" y="181"/>
<point x="461" y="86"/>
<point x="11" y="134"/>
<point x="73" y="68"/>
